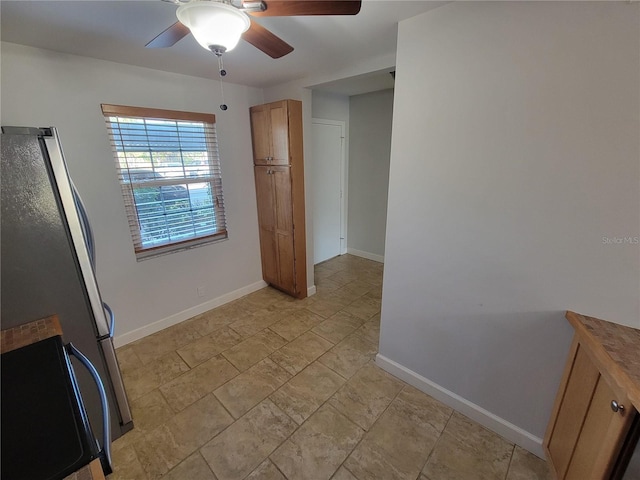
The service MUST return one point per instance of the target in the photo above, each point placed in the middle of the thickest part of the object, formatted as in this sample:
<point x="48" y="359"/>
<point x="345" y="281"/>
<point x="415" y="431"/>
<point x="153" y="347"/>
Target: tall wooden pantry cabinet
<point x="276" y="130"/>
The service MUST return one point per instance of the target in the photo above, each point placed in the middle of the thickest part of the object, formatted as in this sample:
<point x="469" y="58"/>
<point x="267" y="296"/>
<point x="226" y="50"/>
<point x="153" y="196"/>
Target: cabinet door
<point x="602" y="435"/>
<point x="284" y="227"/>
<point x="279" y="123"/>
<point x="581" y="383"/>
<point x="269" y="257"/>
<point x="261" y="134"/>
<point x="587" y="434"/>
<point x="265" y="197"/>
<point x="267" y="220"/>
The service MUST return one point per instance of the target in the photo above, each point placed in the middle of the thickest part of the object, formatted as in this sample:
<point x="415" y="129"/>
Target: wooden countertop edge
<point x="28" y="333"/>
<point x="609" y="367"/>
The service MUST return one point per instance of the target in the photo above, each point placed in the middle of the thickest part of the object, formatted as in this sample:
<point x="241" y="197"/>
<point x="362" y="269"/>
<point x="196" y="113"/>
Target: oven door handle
<point x="105" y="457"/>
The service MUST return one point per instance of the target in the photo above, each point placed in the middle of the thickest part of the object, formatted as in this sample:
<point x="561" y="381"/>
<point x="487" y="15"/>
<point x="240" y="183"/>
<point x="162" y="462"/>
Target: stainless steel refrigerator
<point x="48" y="263"/>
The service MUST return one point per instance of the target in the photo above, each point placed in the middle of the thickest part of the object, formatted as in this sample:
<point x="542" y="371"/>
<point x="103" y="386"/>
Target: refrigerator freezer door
<point x="70" y="210"/>
<point x="44" y="269"/>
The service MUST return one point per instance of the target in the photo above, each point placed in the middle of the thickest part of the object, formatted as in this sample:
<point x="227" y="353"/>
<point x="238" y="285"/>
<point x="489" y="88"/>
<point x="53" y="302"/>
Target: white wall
<point x="42" y="88"/>
<point x="330" y="106"/>
<point x="369" y="151"/>
<point x="515" y="151"/>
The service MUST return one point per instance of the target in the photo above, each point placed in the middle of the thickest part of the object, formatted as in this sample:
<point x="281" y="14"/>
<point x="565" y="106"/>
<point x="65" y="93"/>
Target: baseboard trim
<point x="489" y="420"/>
<point x="367" y="255"/>
<point x="311" y="290"/>
<point x="176" y="318"/>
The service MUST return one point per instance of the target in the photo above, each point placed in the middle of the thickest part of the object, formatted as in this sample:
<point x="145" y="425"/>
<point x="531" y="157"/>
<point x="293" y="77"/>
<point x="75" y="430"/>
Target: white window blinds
<point x="169" y="170"/>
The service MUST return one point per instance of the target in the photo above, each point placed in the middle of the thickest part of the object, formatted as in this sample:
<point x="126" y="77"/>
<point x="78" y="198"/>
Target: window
<point x="169" y="170"/>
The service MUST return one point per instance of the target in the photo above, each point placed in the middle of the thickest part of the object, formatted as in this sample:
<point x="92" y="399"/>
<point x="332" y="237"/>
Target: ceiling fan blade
<point x="288" y="8"/>
<point x="264" y="40"/>
<point x="169" y="37"/>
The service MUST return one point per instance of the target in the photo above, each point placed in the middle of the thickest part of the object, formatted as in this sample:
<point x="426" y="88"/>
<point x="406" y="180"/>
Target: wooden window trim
<point x="127" y="111"/>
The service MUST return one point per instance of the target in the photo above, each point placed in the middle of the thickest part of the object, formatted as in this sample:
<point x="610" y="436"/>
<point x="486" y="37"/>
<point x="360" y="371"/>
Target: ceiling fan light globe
<point x="213" y="23"/>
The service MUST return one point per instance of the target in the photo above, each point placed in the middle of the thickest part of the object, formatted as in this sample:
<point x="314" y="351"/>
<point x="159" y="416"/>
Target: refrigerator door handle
<point x="105" y="458"/>
<point x="112" y="319"/>
<point x="86" y="226"/>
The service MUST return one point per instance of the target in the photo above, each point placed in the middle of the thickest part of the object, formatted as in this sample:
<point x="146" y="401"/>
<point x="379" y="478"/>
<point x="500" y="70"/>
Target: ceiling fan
<point x="218" y="25"/>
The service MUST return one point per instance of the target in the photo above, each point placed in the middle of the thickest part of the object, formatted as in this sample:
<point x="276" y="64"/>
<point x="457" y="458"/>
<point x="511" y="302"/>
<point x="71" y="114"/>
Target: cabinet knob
<point x="616" y="407"/>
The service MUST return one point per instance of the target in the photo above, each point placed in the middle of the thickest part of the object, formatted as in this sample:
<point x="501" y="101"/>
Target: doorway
<point x="328" y="174"/>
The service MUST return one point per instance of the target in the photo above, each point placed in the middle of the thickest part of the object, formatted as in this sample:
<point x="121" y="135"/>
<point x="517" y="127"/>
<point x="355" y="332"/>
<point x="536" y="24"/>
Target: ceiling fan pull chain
<point x="223" y="73"/>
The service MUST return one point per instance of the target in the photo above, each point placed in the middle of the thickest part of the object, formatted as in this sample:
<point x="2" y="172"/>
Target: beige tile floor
<point x="268" y="387"/>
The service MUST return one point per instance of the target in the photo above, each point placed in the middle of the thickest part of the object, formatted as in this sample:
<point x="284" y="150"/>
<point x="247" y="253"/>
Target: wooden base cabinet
<point x="279" y="175"/>
<point x="592" y="415"/>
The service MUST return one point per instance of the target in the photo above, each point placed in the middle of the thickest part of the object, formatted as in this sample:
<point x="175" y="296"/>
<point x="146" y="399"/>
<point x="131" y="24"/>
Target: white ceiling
<point x="118" y="30"/>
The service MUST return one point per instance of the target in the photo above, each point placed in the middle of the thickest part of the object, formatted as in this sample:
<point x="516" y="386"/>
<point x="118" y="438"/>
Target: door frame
<point x="344" y="177"/>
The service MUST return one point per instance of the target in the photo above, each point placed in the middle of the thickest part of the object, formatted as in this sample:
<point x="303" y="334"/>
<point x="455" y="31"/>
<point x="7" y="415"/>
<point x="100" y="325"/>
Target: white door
<point x="327" y="178"/>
